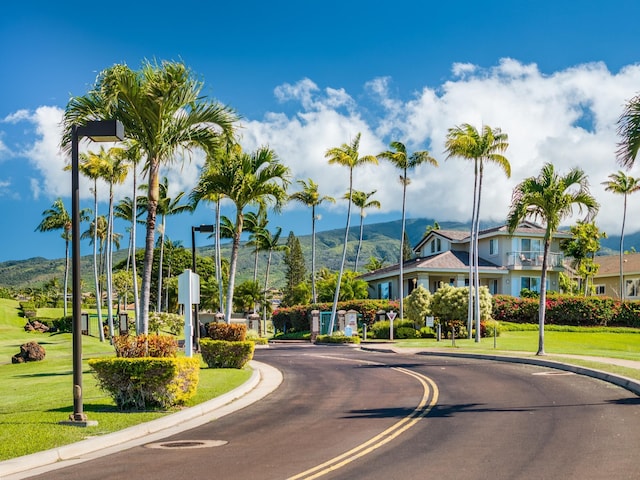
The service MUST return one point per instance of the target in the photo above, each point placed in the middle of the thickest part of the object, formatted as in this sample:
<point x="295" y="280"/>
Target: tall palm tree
<point x="622" y="184"/>
<point x="551" y="198"/>
<point x="245" y="179"/>
<point x="310" y="197"/>
<point x="361" y="200"/>
<point x="256" y="224"/>
<point x="57" y="218"/>
<point x="167" y="206"/>
<point x="629" y="130"/>
<point x="405" y="162"/>
<point x="91" y="166"/>
<point x="162" y="110"/>
<point x="348" y="156"/>
<point x="487" y="146"/>
<point x="114" y="172"/>
<point x="269" y="244"/>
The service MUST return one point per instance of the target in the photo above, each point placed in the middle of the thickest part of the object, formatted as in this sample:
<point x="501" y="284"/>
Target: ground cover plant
<point x="35" y="396"/>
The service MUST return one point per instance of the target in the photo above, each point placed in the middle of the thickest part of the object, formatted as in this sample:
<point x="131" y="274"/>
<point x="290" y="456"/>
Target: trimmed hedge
<point x="338" y="338"/>
<point x="135" y="346"/>
<point x="225" y="354"/>
<point x="568" y="310"/>
<point x="298" y="318"/>
<point x="236" y="332"/>
<point x="143" y="383"/>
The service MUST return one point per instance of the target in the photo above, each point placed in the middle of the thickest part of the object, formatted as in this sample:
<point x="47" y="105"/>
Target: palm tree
<point x="91" y="166"/>
<point x="550" y="198"/>
<point x="629" y="130"/>
<point x="310" y="197"/>
<point x="405" y="162"/>
<point x="466" y="142"/>
<point x="162" y="111"/>
<point x="270" y="245"/>
<point x="361" y="200"/>
<point x="245" y="179"/>
<point x="622" y="184"/>
<point x="114" y="171"/>
<point x="57" y="218"/>
<point x="167" y="206"/>
<point x="346" y="155"/>
<point x="256" y="224"/>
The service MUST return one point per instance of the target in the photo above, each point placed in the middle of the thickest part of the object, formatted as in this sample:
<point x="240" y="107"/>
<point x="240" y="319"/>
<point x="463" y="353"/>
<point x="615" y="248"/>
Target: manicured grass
<point x="36" y="396"/>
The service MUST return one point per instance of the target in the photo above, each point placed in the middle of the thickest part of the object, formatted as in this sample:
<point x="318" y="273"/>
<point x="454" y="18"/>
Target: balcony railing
<point x="533" y="259"/>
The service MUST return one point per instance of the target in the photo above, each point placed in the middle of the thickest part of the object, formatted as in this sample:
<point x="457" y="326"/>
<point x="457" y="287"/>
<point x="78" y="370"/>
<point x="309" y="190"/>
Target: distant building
<point x="507" y="264"/>
<point x="607" y="281"/>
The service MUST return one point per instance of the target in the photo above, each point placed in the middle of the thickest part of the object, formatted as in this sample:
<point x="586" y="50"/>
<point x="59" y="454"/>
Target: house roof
<point x="451" y="261"/>
<point x="610" y="264"/>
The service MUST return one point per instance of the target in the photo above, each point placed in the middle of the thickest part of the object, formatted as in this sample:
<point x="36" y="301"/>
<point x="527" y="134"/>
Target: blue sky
<point x="308" y="76"/>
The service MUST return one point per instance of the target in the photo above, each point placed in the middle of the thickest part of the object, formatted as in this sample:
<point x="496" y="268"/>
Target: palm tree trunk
<point x="355" y="267"/>
<point x="470" y="308"/>
<point x="218" y="259"/>
<point x="66" y="272"/>
<point x="109" y="265"/>
<point x="314" y="297"/>
<point x="232" y="268"/>
<point x="401" y="272"/>
<point x="336" y="296"/>
<point x="543" y="298"/>
<point x="134" y="271"/>
<point x="476" y="262"/>
<point x="96" y="278"/>
<point x="624" y="217"/>
<point x="266" y="286"/>
<point x="164" y="218"/>
<point x="152" y="206"/>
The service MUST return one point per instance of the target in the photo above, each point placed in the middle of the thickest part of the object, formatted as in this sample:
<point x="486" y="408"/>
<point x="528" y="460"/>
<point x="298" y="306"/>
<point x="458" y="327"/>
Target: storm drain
<point x="187" y="444"/>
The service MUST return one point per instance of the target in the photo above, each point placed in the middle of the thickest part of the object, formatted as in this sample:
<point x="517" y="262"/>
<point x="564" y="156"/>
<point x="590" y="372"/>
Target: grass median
<point x="35" y="396"/>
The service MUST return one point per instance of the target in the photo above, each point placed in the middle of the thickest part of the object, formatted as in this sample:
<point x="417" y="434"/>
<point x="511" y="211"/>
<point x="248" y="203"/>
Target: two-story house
<point x="507" y="263"/>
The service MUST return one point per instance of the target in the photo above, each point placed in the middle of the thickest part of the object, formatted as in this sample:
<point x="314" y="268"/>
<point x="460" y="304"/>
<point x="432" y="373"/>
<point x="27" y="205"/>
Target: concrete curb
<point x="624" y="382"/>
<point x="263" y="381"/>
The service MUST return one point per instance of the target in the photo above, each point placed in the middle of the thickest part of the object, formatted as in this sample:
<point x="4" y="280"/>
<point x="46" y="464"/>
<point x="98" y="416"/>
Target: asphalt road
<point x="342" y="413"/>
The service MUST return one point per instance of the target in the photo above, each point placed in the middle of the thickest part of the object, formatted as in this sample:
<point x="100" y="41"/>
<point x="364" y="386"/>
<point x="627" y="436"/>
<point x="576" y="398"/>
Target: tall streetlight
<point x="98" y="131"/>
<point x="196" y="327"/>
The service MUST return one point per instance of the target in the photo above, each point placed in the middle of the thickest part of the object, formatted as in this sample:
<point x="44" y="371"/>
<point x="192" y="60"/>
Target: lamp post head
<point x="102" y="130"/>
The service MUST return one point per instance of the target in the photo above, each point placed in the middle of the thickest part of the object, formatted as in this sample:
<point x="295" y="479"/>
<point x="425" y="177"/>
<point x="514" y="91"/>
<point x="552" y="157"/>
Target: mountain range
<point x="380" y="240"/>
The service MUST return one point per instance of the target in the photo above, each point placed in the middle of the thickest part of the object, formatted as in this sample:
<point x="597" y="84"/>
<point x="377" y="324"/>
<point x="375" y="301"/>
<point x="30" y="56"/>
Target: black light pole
<point x="196" y="321"/>
<point x="98" y="131"/>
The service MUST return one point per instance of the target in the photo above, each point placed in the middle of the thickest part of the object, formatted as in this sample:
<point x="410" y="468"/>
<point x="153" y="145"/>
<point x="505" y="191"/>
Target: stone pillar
<point x="315" y="325"/>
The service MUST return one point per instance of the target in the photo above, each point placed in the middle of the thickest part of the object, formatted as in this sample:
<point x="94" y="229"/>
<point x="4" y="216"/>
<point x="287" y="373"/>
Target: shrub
<point x="226" y="354"/>
<point x="169" y="322"/>
<point x="427" y="332"/>
<point x="450" y="303"/>
<point x="337" y="337"/>
<point x="143" y="383"/>
<point x="63" y="324"/>
<point x="381" y="329"/>
<point x="229" y="332"/>
<point x="417" y="305"/>
<point x="489" y="327"/>
<point x="29" y="309"/>
<point x="405" y="332"/>
<point x="254" y="337"/>
<point x="135" y="346"/>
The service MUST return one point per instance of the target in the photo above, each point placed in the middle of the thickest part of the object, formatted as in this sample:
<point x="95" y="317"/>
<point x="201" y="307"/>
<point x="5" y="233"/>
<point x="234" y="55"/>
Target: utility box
<point x="188" y="295"/>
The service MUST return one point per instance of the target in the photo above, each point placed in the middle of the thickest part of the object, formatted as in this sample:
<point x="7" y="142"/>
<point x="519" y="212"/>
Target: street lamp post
<point x="196" y="321"/>
<point x="98" y="131"/>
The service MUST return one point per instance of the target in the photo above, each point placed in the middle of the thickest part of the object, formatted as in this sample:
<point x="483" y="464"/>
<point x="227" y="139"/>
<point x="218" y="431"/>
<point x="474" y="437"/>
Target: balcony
<point x="533" y="259"/>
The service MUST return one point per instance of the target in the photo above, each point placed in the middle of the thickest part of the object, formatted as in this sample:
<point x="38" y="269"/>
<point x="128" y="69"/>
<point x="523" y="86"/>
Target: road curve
<point x="344" y="413"/>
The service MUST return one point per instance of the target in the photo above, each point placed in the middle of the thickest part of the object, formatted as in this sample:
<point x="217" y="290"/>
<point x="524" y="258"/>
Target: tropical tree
<point x="256" y="224"/>
<point x="466" y="142"/>
<point x="550" y="198"/>
<point x="295" y="273"/>
<point x="361" y="200"/>
<point x="629" y="130"/>
<point x="622" y="184"/>
<point x="348" y="156"/>
<point x="310" y="197"/>
<point x="405" y="162"/>
<point x="91" y="166"/>
<point x="245" y="179"/>
<point x="582" y="248"/>
<point x="167" y="206"/>
<point x="270" y="243"/>
<point x="114" y="172"/>
<point x="57" y="218"/>
<point x="124" y="210"/>
<point x="162" y="111"/>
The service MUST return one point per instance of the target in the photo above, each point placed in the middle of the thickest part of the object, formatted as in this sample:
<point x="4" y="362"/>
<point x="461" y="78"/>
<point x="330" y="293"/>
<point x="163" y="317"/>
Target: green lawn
<point x="36" y="396"/>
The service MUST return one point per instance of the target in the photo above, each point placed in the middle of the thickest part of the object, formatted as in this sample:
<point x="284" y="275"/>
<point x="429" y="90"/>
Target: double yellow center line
<point x="422" y="410"/>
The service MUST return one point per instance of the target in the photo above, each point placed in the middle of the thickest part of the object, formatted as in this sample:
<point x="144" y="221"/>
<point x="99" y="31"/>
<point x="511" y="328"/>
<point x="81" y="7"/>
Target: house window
<point x="384" y="291"/>
<point x="633" y="287"/>
<point x="436" y="245"/>
<point x="530" y="283"/>
<point x="599" y="289"/>
<point x="493" y="287"/>
<point x="493" y="246"/>
<point x="530" y="245"/>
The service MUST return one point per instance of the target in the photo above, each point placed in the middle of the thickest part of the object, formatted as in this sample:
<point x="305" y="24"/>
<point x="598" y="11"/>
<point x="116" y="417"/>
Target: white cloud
<point x="567" y="118"/>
